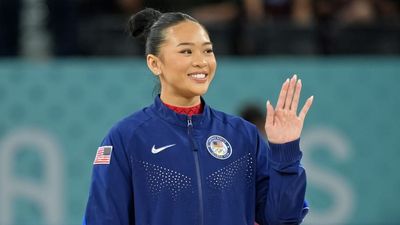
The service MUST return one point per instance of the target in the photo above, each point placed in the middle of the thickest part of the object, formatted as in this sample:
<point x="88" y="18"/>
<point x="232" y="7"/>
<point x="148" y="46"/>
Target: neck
<point x="181" y="101"/>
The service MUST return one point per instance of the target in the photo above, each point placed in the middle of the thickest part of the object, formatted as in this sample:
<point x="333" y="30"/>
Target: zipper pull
<point x="190" y="130"/>
<point x="189" y="121"/>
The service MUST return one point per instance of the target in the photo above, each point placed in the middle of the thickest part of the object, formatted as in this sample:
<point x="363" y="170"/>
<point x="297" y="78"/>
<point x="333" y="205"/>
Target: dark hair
<point x="148" y="25"/>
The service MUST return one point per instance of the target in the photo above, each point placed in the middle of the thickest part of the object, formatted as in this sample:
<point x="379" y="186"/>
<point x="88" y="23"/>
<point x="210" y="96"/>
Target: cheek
<point x="177" y="67"/>
<point x="170" y="72"/>
<point x="213" y="65"/>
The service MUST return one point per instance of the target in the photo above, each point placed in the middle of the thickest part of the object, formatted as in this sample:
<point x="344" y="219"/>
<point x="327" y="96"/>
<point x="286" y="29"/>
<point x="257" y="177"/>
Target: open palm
<point x="282" y="123"/>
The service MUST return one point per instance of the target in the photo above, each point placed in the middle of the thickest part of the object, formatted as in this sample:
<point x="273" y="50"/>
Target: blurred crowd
<point x="47" y="28"/>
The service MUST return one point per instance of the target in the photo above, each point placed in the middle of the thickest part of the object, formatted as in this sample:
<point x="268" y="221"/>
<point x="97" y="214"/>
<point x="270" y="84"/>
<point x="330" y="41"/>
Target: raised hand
<point x="282" y="123"/>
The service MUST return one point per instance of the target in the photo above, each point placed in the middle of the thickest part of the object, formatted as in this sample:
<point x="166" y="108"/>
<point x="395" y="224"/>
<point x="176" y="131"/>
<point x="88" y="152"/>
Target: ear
<point x="154" y="64"/>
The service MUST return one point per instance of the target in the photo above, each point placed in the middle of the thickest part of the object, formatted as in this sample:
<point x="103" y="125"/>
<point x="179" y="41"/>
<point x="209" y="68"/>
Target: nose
<point x="199" y="61"/>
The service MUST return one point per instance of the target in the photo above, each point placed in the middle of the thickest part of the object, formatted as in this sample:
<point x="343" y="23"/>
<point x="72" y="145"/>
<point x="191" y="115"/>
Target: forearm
<point x="284" y="200"/>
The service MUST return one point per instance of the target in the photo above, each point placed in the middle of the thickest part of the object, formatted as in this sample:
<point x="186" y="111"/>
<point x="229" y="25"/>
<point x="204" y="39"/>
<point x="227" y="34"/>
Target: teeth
<point x="198" y="76"/>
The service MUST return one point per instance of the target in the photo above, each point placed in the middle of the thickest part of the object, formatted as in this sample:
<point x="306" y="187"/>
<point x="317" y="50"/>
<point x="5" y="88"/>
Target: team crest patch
<point x="219" y="147"/>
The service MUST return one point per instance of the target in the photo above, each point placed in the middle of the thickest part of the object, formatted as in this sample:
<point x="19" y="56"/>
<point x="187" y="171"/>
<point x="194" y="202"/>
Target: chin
<point x="195" y="93"/>
<point x="201" y="91"/>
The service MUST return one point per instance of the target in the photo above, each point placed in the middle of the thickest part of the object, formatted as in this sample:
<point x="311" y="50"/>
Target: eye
<point x="209" y="51"/>
<point x="186" y="51"/>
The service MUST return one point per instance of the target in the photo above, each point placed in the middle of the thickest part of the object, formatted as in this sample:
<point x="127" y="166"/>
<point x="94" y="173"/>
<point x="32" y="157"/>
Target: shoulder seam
<point x="135" y="129"/>
<point x="247" y="135"/>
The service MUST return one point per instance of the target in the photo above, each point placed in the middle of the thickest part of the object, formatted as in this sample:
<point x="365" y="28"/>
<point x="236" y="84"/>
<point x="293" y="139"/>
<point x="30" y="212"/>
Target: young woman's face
<point x="187" y="62"/>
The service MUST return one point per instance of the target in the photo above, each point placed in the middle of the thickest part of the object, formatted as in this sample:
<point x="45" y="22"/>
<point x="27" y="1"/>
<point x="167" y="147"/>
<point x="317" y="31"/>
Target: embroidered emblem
<point x="219" y="147"/>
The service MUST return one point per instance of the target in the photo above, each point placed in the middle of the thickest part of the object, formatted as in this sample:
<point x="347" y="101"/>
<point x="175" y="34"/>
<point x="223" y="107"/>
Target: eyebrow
<point x="190" y="43"/>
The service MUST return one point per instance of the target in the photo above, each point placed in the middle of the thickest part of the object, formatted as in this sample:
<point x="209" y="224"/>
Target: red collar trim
<point x="197" y="109"/>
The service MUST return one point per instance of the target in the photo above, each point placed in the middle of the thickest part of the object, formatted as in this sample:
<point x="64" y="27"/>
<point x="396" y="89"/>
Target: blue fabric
<point x="186" y="182"/>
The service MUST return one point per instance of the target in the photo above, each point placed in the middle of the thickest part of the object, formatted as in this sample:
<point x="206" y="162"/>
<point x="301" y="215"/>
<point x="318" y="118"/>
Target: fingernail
<point x="295" y="76"/>
<point x="312" y="97"/>
<point x="268" y="102"/>
<point x="299" y="82"/>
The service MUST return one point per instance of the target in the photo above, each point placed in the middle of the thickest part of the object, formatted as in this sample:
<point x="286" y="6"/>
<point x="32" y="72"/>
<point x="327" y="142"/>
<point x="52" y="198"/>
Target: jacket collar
<point x="171" y="116"/>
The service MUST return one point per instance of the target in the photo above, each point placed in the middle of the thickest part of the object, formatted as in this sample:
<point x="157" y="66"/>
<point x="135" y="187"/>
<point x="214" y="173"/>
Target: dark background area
<point x="44" y="28"/>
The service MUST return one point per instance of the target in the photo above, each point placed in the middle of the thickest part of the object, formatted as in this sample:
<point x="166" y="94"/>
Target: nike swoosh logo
<point x="155" y="150"/>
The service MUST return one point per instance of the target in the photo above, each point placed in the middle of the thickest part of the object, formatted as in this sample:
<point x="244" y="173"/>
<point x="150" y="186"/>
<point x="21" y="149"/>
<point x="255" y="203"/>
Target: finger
<point x="306" y="107"/>
<point x="282" y="95"/>
<point x="270" y="114"/>
<point x="296" y="97"/>
<point x="289" y="95"/>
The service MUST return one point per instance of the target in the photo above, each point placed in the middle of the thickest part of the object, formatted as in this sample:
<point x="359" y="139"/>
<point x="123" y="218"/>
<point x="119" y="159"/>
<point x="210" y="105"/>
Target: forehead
<point x="187" y="31"/>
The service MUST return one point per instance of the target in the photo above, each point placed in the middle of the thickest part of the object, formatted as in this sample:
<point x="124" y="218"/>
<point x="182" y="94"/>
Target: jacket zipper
<point x="196" y="160"/>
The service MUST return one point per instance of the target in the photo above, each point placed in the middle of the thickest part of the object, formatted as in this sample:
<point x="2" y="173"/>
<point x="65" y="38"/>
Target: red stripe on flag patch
<point x="103" y="155"/>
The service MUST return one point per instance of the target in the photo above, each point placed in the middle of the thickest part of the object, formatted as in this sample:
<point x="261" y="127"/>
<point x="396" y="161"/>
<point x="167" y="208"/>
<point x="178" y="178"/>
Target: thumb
<point x="270" y="114"/>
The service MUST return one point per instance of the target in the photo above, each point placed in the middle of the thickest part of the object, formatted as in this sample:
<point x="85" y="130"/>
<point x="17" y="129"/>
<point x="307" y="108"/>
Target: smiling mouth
<point x="198" y="76"/>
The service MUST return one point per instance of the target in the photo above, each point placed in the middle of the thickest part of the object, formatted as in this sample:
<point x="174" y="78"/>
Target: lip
<point x="198" y="80"/>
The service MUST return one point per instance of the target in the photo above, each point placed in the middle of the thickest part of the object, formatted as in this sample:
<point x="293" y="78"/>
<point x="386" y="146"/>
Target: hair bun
<point x="141" y="22"/>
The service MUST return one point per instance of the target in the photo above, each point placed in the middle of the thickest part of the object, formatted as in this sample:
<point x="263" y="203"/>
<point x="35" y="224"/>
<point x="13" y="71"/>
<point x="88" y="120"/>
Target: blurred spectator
<point x="99" y="16"/>
<point x="296" y="11"/>
<point x="252" y="113"/>
<point x="356" y="12"/>
<point x="357" y="26"/>
<point x="220" y="17"/>
<point x="206" y="11"/>
<point x="102" y="27"/>
<point x="388" y="11"/>
<point x="304" y="11"/>
<point x="25" y="24"/>
<point x="325" y="11"/>
<point x="348" y="12"/>
<point x="237" y="27"/>
<point x="91" y="8"/>
<point x="277" y="27"/>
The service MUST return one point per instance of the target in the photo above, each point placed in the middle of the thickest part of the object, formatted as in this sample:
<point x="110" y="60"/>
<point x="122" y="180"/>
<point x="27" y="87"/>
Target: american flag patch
<point x="103" y="155"/>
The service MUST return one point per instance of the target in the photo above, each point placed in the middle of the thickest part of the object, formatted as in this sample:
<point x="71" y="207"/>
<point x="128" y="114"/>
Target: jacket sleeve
<point x="111" y="194"/>
<point x="280" y="184"/>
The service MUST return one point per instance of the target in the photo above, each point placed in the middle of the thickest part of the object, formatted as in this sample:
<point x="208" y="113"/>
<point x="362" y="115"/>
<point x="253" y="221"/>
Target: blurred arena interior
<point x="239" y="27"/>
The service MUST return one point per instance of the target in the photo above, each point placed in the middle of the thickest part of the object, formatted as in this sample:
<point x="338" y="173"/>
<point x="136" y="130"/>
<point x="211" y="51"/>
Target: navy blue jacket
<point x="208" y="169"/>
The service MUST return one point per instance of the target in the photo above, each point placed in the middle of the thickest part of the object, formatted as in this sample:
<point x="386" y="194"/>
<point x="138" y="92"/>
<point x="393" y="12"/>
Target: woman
<point x="179" y="161"/>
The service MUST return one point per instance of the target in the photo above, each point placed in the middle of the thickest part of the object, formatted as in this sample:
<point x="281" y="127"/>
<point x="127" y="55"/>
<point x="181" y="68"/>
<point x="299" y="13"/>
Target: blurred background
<point x="69" y="71"/>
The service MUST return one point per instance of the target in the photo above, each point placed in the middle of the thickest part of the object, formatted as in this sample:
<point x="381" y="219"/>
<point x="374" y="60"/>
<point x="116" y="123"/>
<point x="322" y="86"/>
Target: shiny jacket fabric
<point x="208" y="169"/>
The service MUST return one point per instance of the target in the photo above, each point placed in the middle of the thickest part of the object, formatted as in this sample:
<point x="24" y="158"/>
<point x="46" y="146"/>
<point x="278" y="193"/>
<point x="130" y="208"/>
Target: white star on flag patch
<point x="103" y="155"/>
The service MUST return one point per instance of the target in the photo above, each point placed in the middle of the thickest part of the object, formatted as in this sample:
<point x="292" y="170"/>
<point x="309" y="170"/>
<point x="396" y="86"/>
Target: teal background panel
<point x="350" y="138"/>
